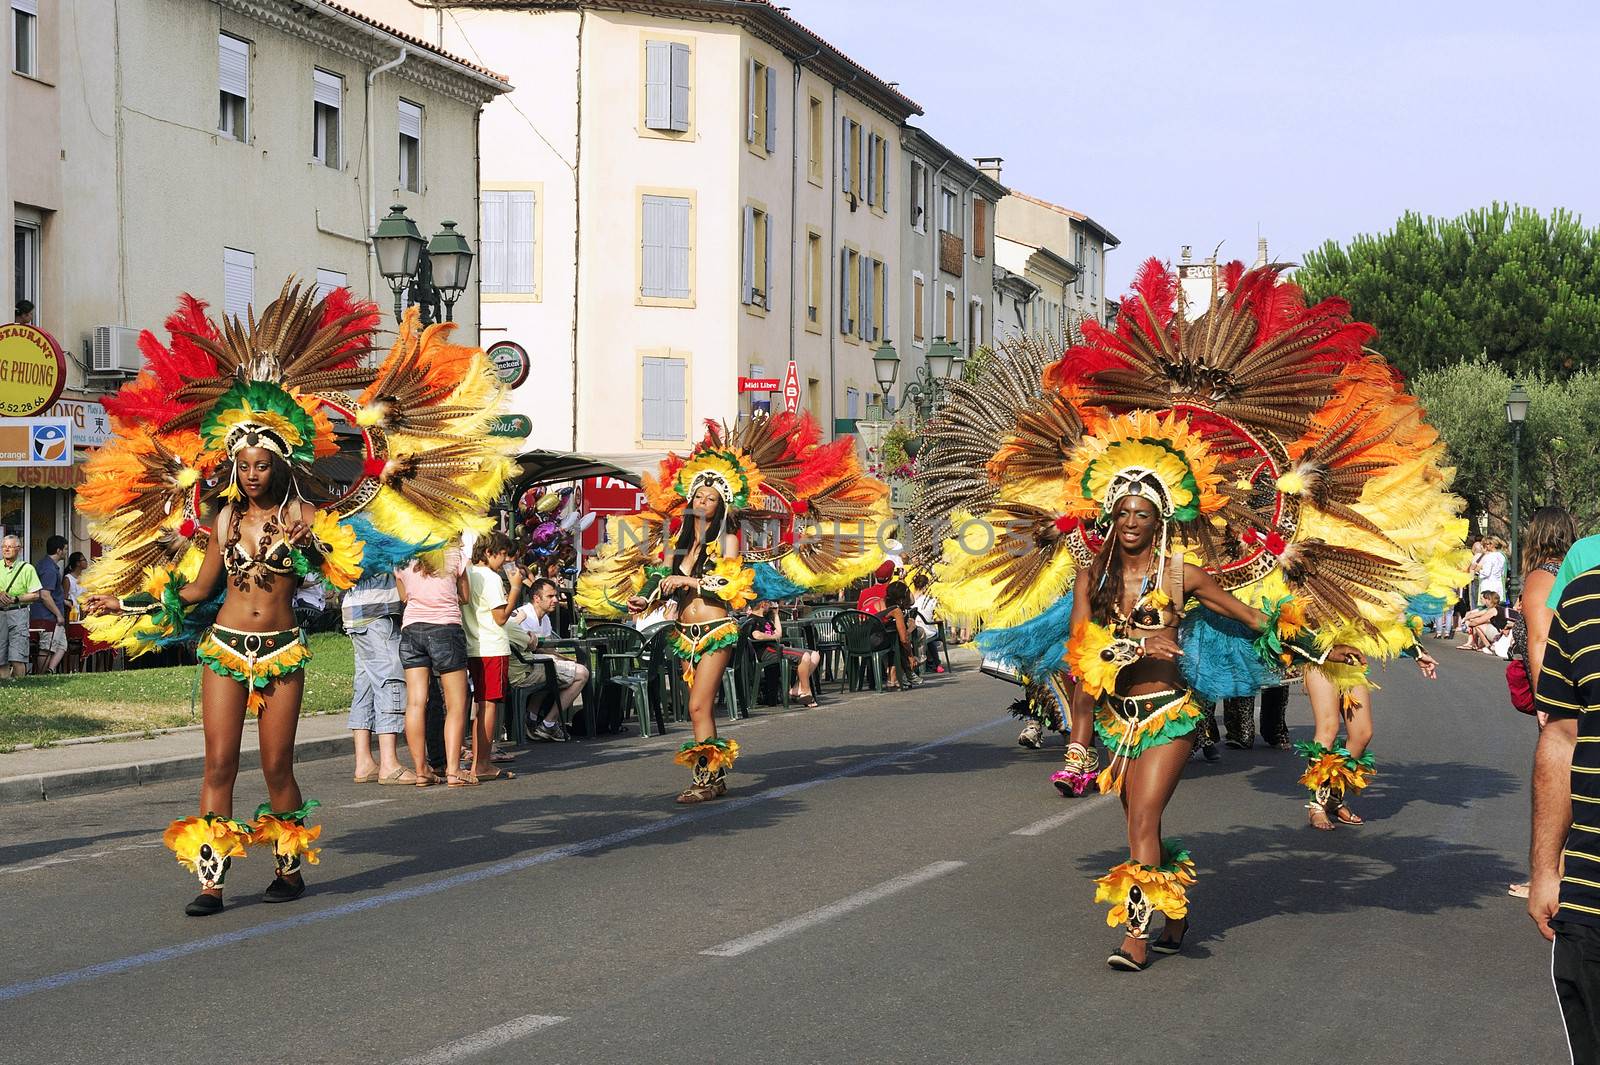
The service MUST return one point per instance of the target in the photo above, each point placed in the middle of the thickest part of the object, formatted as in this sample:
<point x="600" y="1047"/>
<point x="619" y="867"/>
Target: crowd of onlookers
<point x="39" y="609"/>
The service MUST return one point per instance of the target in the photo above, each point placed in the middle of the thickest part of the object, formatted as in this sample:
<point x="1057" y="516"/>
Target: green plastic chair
<point x="861" y="634"/>
<point x="753" y="670"/>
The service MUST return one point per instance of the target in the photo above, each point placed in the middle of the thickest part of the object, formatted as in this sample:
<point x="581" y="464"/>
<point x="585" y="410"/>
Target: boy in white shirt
<point x="535" y="619"/>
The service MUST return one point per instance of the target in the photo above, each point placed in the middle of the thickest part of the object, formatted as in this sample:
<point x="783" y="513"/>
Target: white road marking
<point x="488" y="1039"/>
<point x="1039" y="828"/>
<point x="744" y="944"/>
<point x="367" y="802"/>
<point x="46" y="863"/>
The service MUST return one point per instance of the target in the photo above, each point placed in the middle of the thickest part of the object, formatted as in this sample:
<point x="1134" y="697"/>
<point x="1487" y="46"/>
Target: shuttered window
<point x="666" y="86"/>
<point x="980" y="227"/>
<point x="1079" y="247"/>
<point x="238" y="281"/>
<point x="869" y="304"/>
<point x="328" y="280"/>
<point x="761" y="99"/>
<point x="814" y="287"/>
<point x="664" y="399"/>
<point x="872" y="169"/>
<point x="233" y="85"/>
<point x="919" y="299"/>
<point x="410" y="122"/>
<point x="327" y="101"/>
<point x="664" y="247"/>
<point x="25" y="36"/>
<point x="757" y="257"/>
<point x="848" y="287"/>
<point x="509" y="242"/>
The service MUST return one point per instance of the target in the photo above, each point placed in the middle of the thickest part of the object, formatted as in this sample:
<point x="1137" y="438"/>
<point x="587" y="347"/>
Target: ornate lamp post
<point x="1516" y="414"/>
<point x="926" y="390"/>
<point x="425" y="273"/>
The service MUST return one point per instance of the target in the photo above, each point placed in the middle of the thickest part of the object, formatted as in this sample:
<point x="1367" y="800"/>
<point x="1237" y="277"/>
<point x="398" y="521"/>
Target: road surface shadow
<point x="49" y="848"/>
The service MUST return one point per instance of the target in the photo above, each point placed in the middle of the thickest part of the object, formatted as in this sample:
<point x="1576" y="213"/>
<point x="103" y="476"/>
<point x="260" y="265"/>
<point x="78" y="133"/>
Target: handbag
<point x="1517" y="682"/>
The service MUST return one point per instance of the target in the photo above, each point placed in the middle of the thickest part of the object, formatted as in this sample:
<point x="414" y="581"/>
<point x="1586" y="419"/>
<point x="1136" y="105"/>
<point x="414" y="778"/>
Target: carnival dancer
<point x="764" y="510"/>
<point x="212" y="511"/>
<point x="1250" y="483"/>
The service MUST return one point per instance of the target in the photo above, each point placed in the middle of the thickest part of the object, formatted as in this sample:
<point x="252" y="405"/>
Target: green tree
<point x="1560" y="454"/>
<point x="1503" y="281"/>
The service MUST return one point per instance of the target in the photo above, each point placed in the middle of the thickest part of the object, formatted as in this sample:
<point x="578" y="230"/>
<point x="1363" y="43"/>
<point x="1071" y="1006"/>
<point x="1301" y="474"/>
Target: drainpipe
<point x="477" y="209"/>
<point x="372" y="168"/>
<point x="966" y="308"/>
<point x="794" y="191"/>
<point x="577" y="230"/>
<point x="833" y="261"/>
<point x="933" y="249"/>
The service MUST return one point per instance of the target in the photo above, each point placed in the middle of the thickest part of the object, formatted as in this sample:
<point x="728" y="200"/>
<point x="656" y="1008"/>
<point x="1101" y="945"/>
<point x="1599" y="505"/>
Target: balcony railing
<point x="952" y="252"/>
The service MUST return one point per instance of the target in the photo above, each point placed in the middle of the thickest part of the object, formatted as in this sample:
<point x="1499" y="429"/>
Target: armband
<point x="731" y="581"/>
<point x="1285" y="637"/>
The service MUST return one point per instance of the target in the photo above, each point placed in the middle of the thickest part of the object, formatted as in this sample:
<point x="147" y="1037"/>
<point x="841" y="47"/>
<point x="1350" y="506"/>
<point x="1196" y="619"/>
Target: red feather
<point x="341" y="302"/>
<point x="1150" y="305"/>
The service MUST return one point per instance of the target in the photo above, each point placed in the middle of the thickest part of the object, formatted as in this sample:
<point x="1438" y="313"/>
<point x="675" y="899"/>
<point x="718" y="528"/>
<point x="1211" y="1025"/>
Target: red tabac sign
<point x="791" y="388"/>
<point x="611" y="495"/>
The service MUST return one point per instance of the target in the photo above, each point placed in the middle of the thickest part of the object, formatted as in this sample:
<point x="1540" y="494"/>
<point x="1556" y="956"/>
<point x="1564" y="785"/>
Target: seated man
<point x="871" y="599"/>
<point x="534" y="618"/>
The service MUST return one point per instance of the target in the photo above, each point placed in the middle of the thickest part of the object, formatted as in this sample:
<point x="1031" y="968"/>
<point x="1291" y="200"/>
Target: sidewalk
<point x="82" y="768"/>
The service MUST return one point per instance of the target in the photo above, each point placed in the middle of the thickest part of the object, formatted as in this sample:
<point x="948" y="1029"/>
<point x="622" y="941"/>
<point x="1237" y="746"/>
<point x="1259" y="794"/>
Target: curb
<point x="38" y="787"/>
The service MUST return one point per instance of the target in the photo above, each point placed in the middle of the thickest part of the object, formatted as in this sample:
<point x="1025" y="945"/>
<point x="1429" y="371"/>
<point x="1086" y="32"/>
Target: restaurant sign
<point x="32" y="370"/>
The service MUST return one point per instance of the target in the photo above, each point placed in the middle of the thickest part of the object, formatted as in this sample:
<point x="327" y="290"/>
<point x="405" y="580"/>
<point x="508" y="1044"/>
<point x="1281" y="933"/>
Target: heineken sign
<point x="511" y="426"/>
<point x="510" y="362"/>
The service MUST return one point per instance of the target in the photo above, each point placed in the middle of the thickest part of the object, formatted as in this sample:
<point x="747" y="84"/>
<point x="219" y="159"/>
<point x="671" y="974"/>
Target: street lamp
<point x="886" y="365"/>
<point x="426" y="273"/>
<point x="925" y="392"/>
<point x="1516" y="414"/>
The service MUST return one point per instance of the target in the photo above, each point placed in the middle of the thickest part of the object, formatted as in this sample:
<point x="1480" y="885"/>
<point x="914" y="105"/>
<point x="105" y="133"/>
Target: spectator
<point x="1550" y="533"/>
<point x="77" y="565"/>
<point x="371" y="611"/>
<point x="871" y="599"/>
<point x="898" y="629"/>
<point x="1563" y="898"/>
<point x="1491" y="568"/>
<point x="768" y="636"/>
<point x="48" y="615"/>
<point x="925" y="616"/>
<point x="535" y="619"/>
<point x="1485" y="624"/>
<point x="19" y="588"/>
<point x="433" y="643"/>
<point x="488" y="648"/>
<point x="24" y="315"/>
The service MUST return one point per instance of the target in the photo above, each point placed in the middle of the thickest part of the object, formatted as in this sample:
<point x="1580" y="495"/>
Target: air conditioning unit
<point x="116" y="350"/>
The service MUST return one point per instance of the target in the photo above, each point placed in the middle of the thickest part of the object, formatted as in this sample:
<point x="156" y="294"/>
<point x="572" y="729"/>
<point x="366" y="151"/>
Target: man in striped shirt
<point x="1564" y="893"/>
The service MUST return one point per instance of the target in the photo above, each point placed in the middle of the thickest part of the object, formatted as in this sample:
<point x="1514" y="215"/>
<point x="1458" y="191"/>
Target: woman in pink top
<point x="432" y="640"/>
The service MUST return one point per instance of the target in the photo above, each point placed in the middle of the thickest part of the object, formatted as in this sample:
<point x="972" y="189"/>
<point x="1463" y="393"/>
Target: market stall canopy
<point x="552" y="467"/>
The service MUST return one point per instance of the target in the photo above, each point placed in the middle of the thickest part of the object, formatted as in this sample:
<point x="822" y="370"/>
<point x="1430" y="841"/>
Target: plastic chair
<point x="517" y="704"/>
<point x="828" y="643"/>
<point x="755" y="668"/>
<point x="862" y="635"/>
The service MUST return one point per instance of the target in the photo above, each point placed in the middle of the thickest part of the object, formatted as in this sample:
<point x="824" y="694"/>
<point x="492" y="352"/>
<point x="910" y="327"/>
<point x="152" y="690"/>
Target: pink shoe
<point x="1073" y="783"/>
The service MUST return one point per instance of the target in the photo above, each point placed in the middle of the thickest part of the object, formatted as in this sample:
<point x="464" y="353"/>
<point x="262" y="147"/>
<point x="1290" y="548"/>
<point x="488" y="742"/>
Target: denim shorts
<point x="441" y="648"/>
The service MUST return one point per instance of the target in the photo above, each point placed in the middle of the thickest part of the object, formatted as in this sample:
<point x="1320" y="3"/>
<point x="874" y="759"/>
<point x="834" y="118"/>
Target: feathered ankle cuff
<point x="1333" y="772"/>
<point x="288" y="835"/>
<point x="1137" y="892"/>
<point x="709" y="755"/>
<point x="207" y="845"/>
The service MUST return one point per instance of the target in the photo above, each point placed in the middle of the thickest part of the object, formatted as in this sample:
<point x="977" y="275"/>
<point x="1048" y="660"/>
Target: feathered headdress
<point x="416" y="463"/>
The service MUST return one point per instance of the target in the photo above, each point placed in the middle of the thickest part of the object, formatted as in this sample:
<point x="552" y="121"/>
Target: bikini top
<point x="278" y="558"/>
<point x="1157" y="609"/>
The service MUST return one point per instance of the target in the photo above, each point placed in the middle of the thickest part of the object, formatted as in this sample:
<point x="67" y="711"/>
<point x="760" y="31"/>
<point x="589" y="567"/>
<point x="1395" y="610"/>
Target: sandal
<point x="496" y="774"/>
<point x="1317" y="817"/>
<point x="399" y="776"/>
<point x="1516" y="891"/>
<point x="1347" y="816"/>
<point x="365" y="778"/>
<point x="427" y="782"/>
<point x="1163" y="945"/>
<point x="499" y="755"/>
<point x="463" y="780"/>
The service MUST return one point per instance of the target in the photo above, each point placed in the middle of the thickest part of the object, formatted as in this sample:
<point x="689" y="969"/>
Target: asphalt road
<point x="892" y="880"/>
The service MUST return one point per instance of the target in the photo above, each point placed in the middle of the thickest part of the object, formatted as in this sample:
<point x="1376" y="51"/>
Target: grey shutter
<point x="748" y="260"/>
<point x="751" y="88"/>
<point x="328" y="280"/>
<point x="653" y="247"/>
<point x="657" y="85"/>
<point x="653" y="387"/>
<point x="521" y="243"/>
<point x="674" y="400"/>
<point x="238" y="281"/>
<point x="884" y="182"/>
<point x="327" y="89"/>
<point x="493" y="237"/>
<point x="678" y="248"/>
<point x="772" y="109"/>
<point x="845" y="322"/>
<point x="233" y="66"/>
<point x="872" y="168"/>
<point x="867" y="312"/>
<point x="766" y="263"/>
<point x="410" y="120"/>
<point x="844" y="153"/>
<point x="680" y="88"/>
<point x="27" y="7"/>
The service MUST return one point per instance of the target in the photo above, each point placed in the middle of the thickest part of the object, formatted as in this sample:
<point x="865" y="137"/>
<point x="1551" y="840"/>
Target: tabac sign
<point x="32" y="371"/>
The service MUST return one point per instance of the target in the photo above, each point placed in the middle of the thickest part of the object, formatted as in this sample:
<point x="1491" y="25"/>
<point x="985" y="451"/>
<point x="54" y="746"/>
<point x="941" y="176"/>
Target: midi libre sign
<point x="32" y="371"/>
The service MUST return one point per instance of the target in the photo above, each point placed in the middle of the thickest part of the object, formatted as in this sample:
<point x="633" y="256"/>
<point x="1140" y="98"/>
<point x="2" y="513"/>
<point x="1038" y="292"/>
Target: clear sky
<point x="1173" y="122"/>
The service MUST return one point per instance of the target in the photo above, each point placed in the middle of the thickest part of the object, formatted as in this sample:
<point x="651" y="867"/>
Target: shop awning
<point x="551" y="467"/>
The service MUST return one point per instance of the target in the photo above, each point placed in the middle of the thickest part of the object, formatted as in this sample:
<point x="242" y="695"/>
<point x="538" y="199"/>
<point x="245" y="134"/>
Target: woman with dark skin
<point x="258" y="603"/>
<point x="705" y="530"/>
<point x="1130" y="559"/>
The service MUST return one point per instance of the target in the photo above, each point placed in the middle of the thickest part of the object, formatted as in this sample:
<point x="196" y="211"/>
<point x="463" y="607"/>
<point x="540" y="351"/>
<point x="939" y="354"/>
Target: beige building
<point x="1059" y="250"/>
<point x="686" y="193"/>
<point x="212" y="147"/>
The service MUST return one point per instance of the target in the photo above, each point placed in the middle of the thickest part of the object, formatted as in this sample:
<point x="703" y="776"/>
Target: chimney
<point x="989" y="166"/>
<point x="1261" y="251"/>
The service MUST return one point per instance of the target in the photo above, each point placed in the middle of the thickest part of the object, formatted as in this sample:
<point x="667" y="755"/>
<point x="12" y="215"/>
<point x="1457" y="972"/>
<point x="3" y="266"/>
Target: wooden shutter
<point x="674" y="399"/>
<point x="844" y="153"/>
<point x="678" y="239"/>
<point x="864" y="293"/>
<point x="653" y="389"/>
<point x="680" y="88"/>
<point x="493" y="237"/>
<point x="846" y="323"/>
<point x="521" y="245"/>
<point x="748" y="259"/>
<point x="751" y="89"/>
<point x="766" y="261"/>
<point x="872" y="168"/>
<point x="653" y="247"/>
<point x="772" y="109"/>
<point x="919" y="296"/>
<point x="980" y="227"/>
<point x="657" y="85"/>
<point x="238" y="281"/>
<point x="233" y="66"/>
